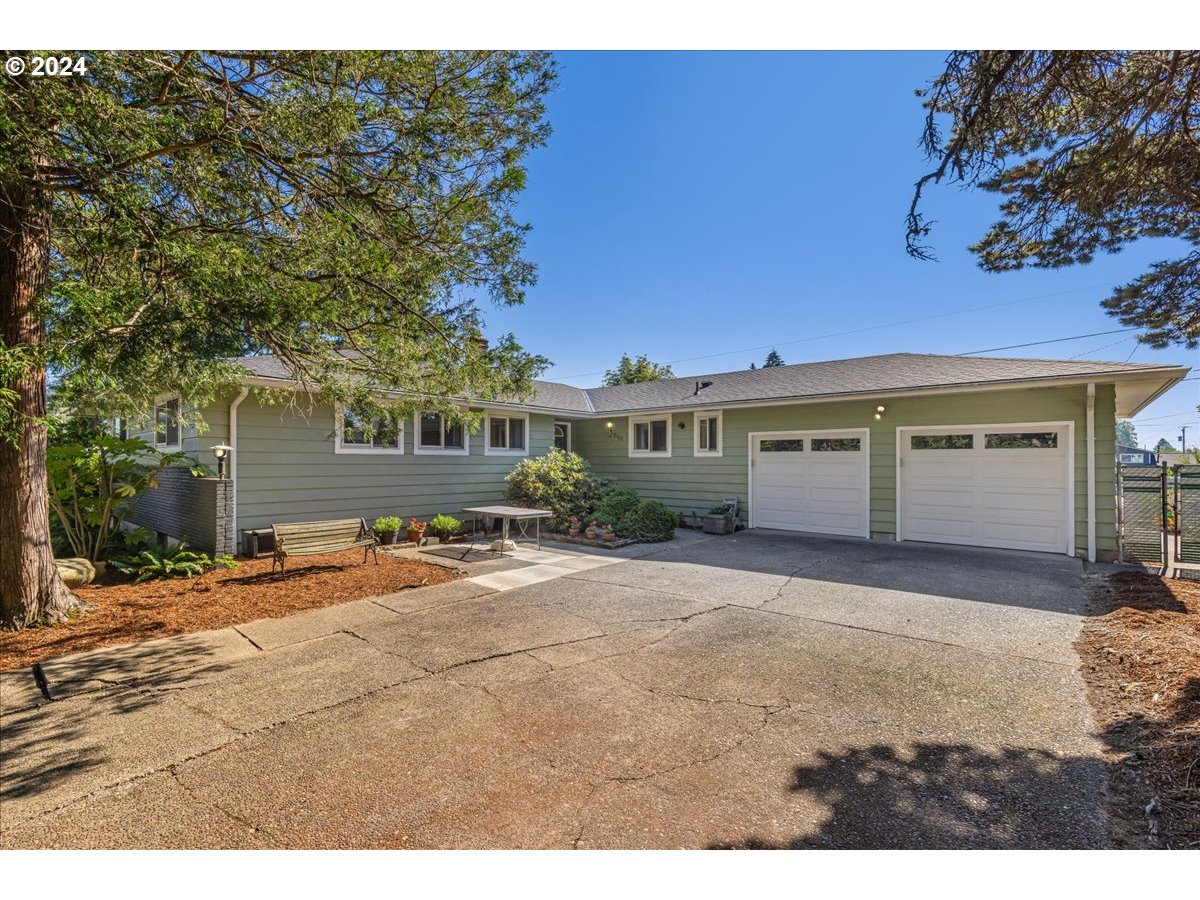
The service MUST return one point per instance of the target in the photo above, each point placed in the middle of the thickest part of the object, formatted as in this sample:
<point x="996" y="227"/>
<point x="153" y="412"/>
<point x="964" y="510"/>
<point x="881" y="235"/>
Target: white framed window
<point x="650" y="436"/>
<point x="352" y="437"/>
<point x="709" y="433"/>
<point x="562" y="435"/>
<point x="166" y="424"/>
<point x="432" y="433"/>
<point x="506" y="434"/>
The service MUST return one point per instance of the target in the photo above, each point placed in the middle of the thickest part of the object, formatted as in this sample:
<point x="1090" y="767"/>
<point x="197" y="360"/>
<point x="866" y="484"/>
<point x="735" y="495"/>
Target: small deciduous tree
<point x="94" y="483"/>
<point x="1088" y="151"/>
<point x="1126" y="433"/>
<point x="632" y="371"/>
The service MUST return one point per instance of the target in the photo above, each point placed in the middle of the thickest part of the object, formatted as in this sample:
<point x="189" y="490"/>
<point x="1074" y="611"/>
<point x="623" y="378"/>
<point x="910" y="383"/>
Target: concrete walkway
<point x="764" y="689"/>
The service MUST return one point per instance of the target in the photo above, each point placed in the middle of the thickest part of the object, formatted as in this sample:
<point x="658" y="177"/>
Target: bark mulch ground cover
<point x="123" y="613"/>
<point x="1141" y="660"/>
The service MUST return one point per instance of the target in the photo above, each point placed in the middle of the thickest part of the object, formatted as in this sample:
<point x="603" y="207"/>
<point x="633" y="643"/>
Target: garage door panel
<point x="1019" y="503"/>
<point x="1013" y="498"/>
<point x="956" y="498"/>
<point x="813" y="491"/>
<point x="939" y="528"/>
<point x="836" y="496"/>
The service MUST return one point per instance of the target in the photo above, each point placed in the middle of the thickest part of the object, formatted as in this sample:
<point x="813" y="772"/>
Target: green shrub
<point x="94" y="482"/>
<point x="444" y="526"/>
<point x="615" y="506"/>
<point x="650" y="522"/>
<point x="178" y="562"/>
<point x="561" y="482"/>
<point x="384" y="524"/>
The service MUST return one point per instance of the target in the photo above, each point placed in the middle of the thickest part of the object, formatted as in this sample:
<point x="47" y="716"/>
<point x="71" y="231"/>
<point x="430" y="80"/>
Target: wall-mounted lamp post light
<point x="879" y="411"/>
<point x="221" y="452"/>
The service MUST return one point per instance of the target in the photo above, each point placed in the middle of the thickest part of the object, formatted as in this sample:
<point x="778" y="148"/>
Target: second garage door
<point x="995" y="486"/>
<point x="811" y="481"/>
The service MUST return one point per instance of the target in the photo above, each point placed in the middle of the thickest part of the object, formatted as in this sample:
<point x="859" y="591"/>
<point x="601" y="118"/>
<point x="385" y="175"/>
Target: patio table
<point x="507" y="514"/>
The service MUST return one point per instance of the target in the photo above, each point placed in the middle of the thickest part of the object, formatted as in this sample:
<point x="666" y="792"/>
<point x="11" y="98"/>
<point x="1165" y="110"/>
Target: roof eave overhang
<point x="1156" y="381"/>
<point x="1163" y="379"/>
<point x="287" y="384"/>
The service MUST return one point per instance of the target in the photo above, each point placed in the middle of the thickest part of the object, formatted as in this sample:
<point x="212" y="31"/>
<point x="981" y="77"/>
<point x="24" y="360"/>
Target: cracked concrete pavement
<point x="758" y="690"/>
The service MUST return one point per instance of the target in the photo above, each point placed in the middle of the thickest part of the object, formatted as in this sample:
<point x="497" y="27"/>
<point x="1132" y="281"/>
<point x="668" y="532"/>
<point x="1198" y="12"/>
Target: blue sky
<point x="692" y="204"/>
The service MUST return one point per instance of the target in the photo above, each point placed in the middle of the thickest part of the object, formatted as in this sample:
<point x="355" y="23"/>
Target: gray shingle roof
<point x="547" y="394"/>
<point x="867" y="374"/>
<point x="864" y="375"/>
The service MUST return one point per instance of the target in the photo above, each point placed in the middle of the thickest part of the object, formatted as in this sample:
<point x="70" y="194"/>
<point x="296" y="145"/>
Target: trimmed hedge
<point x="615" y="506"/>
<point x="651" y="522"/>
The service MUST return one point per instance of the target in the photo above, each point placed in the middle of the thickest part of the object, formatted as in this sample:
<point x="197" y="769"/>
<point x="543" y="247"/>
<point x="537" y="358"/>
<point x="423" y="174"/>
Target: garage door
<point x="810" y="481"/>
<point x="999" y="486"/>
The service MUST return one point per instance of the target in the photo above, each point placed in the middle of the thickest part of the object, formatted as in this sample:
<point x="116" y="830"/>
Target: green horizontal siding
<point x="288" y="471"/>
<point x="688" y="483"/>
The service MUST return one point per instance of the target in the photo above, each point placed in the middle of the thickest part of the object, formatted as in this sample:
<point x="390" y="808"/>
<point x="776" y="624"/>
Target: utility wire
<point x="819" y="337"/>
<point x="1074" y="337"/>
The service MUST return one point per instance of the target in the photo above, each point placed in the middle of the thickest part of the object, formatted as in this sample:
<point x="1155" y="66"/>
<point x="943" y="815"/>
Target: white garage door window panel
<point x="1020" y="499"/>
<point x="820" y="491"/>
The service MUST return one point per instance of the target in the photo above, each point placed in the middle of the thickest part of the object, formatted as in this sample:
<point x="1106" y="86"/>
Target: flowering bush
<point x="560" y="482"/>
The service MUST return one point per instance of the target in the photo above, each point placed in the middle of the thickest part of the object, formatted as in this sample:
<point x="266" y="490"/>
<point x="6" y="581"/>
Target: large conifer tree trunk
<point x="30" y="589"/>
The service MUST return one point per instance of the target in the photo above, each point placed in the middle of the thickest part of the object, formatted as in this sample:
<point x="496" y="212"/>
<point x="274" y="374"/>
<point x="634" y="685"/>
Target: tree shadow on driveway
<point x="949" y="796"/>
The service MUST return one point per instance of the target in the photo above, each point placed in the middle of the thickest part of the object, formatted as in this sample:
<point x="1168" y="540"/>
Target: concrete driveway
<point x="764" y="689"/>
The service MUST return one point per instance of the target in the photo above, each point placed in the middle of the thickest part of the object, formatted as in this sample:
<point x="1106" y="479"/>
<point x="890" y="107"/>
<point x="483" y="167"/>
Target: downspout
<point x="1091" y="472"/>
<point x="233" y="458"/>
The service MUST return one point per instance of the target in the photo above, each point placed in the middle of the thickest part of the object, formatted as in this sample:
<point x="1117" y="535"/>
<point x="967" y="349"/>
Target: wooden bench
<point x="311" y="538"/>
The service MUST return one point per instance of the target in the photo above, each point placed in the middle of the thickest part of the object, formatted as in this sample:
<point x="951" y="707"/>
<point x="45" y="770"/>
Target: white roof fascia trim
<point x="1171" y="375"/>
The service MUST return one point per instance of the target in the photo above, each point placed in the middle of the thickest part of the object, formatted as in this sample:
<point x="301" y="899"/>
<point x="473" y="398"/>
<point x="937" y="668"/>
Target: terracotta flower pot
<point x="610" y="536"/>
<point x="414" y="536"/>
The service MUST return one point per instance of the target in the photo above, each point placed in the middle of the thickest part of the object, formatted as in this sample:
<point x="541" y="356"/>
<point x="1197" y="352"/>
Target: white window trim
<point x="1131" y="457"/>
<point x="488" y="449"/>
<point x="570" y="437"/>
<point x="634" y="420"/>
<point x="717" y="414"/>
<point x="419" y="450"/>
<point x="160" y="443"/>
<point x="339" y="447"/>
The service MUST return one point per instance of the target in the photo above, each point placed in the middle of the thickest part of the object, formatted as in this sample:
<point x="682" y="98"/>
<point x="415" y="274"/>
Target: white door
<point x="995" y="486"/>
<point x="811" y="481"/>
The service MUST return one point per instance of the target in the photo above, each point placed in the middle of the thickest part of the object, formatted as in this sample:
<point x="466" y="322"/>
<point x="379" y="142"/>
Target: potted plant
<point x="590" y="533"/>
<point x="385" y="529"/>
<point x="610" y="534"/>
<point x="416" y="529"/>
<point x="718" y="521"/>
<point x="442" y="527"/>
<point x="573" y="526"/>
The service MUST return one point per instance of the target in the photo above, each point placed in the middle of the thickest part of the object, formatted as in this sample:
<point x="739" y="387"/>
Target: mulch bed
<point x="1141" y="660"/>
<point x="124" y="612"/>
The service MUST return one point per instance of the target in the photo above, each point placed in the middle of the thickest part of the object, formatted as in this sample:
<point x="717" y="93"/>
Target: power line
<point x="1074" y="337"/>
<point x="820" y="337"/>
<point x="1105" y="347"/>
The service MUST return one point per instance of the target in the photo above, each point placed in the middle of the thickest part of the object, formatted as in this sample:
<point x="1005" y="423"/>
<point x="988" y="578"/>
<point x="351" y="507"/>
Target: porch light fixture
<point x="608" y="425"/>
<point x="221" y="452"/>
<point x="879" y="411"/>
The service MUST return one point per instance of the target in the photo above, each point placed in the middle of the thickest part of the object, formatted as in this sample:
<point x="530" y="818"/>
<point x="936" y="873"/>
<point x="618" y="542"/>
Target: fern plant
<point x="178" y="562"/>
